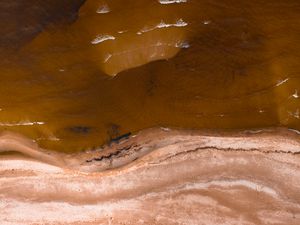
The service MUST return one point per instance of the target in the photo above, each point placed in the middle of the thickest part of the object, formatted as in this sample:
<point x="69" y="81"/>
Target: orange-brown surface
<point x="192" y="64"/>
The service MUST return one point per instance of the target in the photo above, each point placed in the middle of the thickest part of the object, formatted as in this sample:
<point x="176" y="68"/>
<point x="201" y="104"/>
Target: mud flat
<point x="158" y="176"/>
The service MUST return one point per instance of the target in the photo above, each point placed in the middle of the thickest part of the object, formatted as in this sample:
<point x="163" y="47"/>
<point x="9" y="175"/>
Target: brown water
<point x="75" y="76"/>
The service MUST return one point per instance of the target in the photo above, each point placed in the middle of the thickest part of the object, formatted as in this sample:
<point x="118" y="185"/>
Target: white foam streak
<point x="280" y="82"/>
<point x="22" y="123"/>
<point x="179" y="23"/>
<point x="166" y="2"/>
<point x="102" y="38"/>
<point x="162" y="24"/>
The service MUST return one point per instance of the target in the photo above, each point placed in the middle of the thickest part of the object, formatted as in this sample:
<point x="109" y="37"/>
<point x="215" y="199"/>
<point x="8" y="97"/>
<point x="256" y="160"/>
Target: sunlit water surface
<point x="75" y="74"/>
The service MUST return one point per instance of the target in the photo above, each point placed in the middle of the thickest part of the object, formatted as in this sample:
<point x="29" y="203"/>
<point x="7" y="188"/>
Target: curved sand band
<point x="158" y="176"/>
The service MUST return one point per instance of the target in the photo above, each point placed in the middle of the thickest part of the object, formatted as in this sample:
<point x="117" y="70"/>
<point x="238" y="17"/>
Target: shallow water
<point x="214" y="64"/>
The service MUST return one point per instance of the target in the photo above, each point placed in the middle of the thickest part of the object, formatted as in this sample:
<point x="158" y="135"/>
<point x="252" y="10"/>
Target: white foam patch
<point x="107" y="57"/>
<point x="182" y="44"/>
<point x="103" y="9"/>
<point x="21" y="123"/>
<point x="295" y="114"/>
<point x="122" y="31"/>
<point x="206" y="22"/>
<point x="102" y="38"/>
<point x="295" y="95"/>
<point x="179" y="23"/>
<point x="162" y="24"/>
<point x="166" y="2"/>
<point x="280" y="82"/>
<point x="295" y="131"/>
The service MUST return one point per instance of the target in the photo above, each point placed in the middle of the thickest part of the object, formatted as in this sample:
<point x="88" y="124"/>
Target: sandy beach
<point x="158" y="176"/>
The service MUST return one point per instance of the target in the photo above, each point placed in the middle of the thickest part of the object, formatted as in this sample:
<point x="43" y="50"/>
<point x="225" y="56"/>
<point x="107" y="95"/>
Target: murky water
<point x="77" y="74"/>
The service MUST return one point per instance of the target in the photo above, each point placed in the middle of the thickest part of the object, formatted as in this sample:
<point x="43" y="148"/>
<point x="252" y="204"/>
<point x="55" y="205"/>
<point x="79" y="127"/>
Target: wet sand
<point x="159" y="176"/>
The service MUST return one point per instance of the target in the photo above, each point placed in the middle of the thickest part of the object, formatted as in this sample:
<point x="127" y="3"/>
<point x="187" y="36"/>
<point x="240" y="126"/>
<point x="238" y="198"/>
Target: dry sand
<point x="158" y="176"/>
